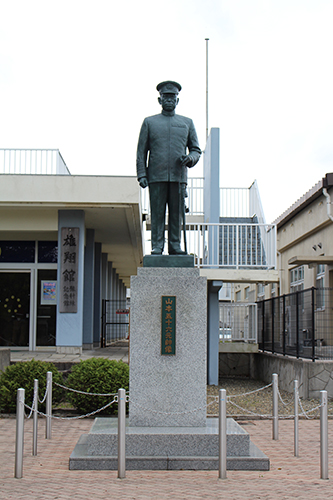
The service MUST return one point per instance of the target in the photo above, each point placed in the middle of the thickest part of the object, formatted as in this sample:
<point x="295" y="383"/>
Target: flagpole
<point x="207" y="39"/>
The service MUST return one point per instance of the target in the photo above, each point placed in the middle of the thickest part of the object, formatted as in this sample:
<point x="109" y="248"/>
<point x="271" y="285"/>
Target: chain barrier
<point x="250" y="392"/>
<point x="302" y="409"/>
<point x="32" y="407"/>
<point x="303" y="412"/>
<point x="84" y="393"/>
<point x="280" y="398"/>
<point x="268" y="416"/>
<point x="249" y="411"/>
<point x="115" y="400"/>
<point x="281" y="417"/>
<point x="308" y="411"/>
<point x="122" y="398"/>
<point x="45" y="395"/>
<point x="215" y="400"/>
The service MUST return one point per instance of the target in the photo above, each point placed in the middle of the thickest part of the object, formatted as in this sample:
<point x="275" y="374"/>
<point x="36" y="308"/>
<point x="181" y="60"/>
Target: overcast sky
<point x="80" y="76"/>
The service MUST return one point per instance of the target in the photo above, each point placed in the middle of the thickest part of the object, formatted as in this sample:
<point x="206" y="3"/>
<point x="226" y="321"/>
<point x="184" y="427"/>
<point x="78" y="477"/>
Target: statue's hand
<point x="186" y="161"/>
<point x="143" y="181"/>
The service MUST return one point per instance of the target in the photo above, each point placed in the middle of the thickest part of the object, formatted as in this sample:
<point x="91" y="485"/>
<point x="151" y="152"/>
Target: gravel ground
<point x="259" y="403"/>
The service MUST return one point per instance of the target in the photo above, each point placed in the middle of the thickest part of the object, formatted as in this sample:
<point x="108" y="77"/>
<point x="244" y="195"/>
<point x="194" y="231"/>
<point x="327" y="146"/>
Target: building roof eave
<point x="309" y="260"/>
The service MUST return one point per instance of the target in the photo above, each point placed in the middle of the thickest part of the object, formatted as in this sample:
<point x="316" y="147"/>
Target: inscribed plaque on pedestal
<point x="168" y="344"/>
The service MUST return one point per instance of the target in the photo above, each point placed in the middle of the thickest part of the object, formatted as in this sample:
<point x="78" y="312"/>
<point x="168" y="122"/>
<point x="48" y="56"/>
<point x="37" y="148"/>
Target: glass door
<point x="46" y="307"/>
<point x="14" y="309"/>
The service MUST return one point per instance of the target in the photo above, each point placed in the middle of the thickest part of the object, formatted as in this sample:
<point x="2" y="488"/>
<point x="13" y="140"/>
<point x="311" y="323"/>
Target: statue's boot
<point x="156" y="251"/>
<point x="177" y="251"/>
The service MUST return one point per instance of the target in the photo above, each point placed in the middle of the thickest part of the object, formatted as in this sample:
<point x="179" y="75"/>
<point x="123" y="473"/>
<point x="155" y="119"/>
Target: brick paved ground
<point x="47" y="476"/>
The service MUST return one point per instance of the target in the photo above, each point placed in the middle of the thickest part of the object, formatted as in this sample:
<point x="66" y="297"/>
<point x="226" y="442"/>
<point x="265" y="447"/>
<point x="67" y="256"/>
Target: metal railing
<point x="238" y="322"/>
<point x="255" y="206"/>
<point x="122" y="398"/>
<point x="195" y="191"/>
<point x="236" y="246"/>
<point x="115" y="321"/>
<point x="298" y="324"/>
<point x="234" y="202"/>
<point x="32" y="161"/>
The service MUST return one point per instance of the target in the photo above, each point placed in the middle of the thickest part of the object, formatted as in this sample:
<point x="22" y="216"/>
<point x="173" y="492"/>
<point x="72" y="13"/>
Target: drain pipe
<point x="328" y="204"/>
<point x="279" y="254"/>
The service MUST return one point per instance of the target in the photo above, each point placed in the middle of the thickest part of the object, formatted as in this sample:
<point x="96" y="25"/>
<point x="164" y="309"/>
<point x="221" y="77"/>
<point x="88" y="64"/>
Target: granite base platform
<point x="166" y="448"/>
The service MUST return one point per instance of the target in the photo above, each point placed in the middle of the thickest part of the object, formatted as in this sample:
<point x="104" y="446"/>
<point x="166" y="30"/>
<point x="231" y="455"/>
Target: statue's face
<point x="168" y="101"/>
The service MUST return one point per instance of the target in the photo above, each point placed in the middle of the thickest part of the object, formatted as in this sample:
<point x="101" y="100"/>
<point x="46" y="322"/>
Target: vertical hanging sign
<point x="69" y="253"/>
<point x="168" y="341"/>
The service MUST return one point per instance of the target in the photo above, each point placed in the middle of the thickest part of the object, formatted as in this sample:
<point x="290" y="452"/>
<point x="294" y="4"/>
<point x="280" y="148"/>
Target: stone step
<point x="166" y="448"/>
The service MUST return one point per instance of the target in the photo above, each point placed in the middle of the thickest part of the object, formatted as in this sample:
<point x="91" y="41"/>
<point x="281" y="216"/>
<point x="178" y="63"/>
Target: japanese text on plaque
<point x="168" y="341"/>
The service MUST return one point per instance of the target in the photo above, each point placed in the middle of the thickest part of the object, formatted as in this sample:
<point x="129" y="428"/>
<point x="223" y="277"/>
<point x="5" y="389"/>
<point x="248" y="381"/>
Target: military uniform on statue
<point x="172" y="144"/>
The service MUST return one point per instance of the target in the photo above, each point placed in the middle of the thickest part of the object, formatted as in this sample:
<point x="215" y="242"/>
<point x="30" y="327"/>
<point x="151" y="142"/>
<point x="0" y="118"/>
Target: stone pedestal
<point x="168" y="390"/>
<point x="167" y="427"/>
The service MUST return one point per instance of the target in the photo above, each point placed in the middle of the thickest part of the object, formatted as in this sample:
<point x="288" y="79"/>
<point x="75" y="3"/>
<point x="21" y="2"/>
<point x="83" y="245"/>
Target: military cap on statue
<point x="169" y="87"/>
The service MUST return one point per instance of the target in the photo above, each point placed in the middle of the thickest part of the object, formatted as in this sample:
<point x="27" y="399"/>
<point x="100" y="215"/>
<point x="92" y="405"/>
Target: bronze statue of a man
<point x="172" y="144"/>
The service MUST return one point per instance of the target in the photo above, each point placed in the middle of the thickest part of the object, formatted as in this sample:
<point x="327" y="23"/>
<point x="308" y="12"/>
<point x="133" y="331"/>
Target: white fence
<point x="32" y="161"/>
<point x="238" y="322"/>
<point x="235" y="246"/>
<point x="234" y="202"/>
<point x="231" y="244"/>
<point x="255" y="206"/>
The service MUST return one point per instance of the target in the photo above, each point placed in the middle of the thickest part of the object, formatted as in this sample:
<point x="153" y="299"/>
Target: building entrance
<point x="14" y="309"/>
<point x="28" y="308"/>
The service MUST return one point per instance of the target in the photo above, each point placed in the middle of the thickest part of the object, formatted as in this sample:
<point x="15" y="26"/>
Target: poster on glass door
<point x="48" y="295"/>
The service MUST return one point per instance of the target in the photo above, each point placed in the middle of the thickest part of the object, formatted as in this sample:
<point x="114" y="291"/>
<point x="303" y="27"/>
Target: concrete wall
<point x="313" y="377"/>
<point x="69" y="189"/>
<point x="233" y="364"/>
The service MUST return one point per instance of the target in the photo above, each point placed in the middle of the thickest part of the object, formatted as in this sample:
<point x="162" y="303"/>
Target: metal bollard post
<point x="296" y="452"/>
<point x="121" y="433"/>
<point x="323" y="436"/>
<point x="48" y="430"/>
<point x="35" y="418"/>
<point x="19" y="433"/>
<point x="275" y="407"/>
<point x="222" y="434"/>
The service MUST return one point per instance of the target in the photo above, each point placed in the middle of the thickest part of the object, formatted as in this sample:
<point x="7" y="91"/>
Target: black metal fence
<point x="115" y="321"/>
<point x="298" y="324"/>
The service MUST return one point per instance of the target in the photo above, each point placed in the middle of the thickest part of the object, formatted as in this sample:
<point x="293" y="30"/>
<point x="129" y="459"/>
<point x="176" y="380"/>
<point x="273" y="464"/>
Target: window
<point x="297" y="285"/>
<point x="297" y="279"/>
<point x="48" y="252"/>
<point x="24" y="252"/>
<point x="247" y="289"/>
<point x="17" y="251"/>
<point x="320" y="287"/>
<point x="261" y="291"/>
<point x="238" y="296"/>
